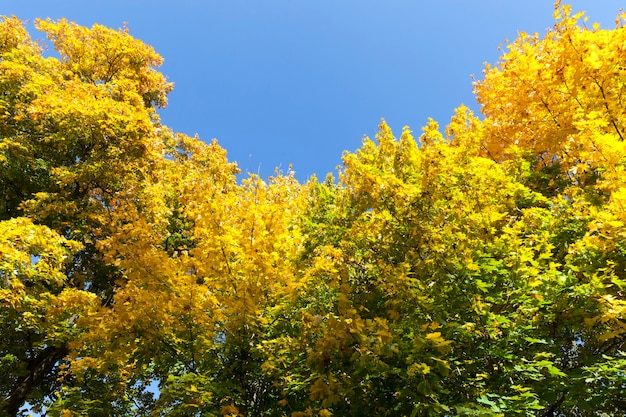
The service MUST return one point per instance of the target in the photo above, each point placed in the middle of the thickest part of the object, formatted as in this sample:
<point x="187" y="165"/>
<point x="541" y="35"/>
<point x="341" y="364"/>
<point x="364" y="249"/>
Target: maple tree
<point x="476" y="270"/>
<point x="78" y="133"/>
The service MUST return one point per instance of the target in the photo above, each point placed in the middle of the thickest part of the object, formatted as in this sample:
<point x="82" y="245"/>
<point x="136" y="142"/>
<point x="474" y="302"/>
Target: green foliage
<point x="477" y="270"/>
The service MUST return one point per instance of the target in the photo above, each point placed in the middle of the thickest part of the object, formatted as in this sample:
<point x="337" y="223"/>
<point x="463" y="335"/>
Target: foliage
<point x="477" y="270"/>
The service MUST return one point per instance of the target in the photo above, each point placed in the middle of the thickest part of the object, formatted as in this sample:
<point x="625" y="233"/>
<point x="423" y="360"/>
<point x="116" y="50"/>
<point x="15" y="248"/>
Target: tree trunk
<point x="40" y="367"/>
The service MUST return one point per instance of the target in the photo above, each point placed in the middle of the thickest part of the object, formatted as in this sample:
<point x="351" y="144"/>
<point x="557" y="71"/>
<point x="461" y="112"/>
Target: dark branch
<point x="40" y="366"/>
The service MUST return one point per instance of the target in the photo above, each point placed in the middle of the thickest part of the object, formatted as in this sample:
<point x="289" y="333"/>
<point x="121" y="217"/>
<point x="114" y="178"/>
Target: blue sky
<point x="282" y="82"/>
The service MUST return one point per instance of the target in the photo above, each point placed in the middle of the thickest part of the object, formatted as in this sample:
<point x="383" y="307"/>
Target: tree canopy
<point x="474" y="270"/>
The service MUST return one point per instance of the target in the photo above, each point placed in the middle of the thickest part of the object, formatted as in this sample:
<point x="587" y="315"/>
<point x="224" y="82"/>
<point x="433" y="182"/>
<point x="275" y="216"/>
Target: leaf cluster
<point x="473" y="270"/>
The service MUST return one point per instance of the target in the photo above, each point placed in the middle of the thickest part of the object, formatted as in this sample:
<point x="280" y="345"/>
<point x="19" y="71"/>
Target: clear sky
<point x="297" y="81"/>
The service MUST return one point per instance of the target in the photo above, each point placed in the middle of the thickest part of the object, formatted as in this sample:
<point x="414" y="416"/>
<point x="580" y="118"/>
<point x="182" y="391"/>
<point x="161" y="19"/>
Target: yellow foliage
<point x="558" y="96"/>
<point x="462" y="257"/>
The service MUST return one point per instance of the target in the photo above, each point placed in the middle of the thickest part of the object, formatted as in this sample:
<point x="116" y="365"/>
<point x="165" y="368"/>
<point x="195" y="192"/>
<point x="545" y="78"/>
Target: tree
<point x="77" y="134"/>
<point x="477" y="270"/>
<point x="481" y="272"/>
<point x="40" y="314"/>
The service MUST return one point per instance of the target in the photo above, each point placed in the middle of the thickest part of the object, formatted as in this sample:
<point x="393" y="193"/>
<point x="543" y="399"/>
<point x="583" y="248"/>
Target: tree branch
<point x="40" y="366"/>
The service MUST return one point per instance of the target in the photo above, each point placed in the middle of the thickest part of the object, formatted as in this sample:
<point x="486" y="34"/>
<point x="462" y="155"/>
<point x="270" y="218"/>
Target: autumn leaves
<point x="475" y="270"/>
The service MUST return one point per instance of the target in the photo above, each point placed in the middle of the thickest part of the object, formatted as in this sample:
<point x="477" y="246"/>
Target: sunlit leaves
<point x="39" y="314"/>
<point x="475" y="270"/>
<point x="100" y="55"/>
